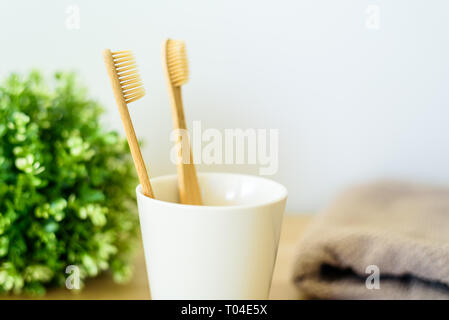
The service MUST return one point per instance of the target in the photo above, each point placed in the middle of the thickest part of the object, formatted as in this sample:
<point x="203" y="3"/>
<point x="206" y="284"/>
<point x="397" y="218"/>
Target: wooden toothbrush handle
<point x="189" y="189"/>
<point x="128" y="126"/>
<point x="135" y="151"/>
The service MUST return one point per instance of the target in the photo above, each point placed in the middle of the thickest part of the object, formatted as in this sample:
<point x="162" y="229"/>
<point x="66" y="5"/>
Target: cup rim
<point x="284" y="194"/>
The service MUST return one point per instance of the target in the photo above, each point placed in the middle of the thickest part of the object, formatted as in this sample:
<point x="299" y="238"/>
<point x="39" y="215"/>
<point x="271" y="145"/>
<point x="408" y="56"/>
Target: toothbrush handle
<point x="135" y="151"/>
<point x="189" y="190"/>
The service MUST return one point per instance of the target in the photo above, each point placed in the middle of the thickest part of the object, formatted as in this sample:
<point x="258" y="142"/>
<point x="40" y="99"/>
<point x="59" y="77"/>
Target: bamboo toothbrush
<point x="176" y="72"/>
<point x="128" y="87"/>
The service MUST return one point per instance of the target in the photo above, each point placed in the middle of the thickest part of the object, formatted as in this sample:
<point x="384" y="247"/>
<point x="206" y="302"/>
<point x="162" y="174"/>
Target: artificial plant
<point x="66" y="186"/>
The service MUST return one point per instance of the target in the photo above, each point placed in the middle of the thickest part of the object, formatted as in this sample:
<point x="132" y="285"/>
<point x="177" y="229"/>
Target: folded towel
<point x="400" y="230"/>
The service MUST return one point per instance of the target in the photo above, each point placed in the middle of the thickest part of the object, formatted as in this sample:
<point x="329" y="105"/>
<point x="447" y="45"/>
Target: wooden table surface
<point x="104" y="288"/>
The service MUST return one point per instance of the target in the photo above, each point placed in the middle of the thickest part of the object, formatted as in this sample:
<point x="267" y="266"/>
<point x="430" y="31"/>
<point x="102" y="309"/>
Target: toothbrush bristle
<point x="177" y="62"/>
<point x="128" y="74"/>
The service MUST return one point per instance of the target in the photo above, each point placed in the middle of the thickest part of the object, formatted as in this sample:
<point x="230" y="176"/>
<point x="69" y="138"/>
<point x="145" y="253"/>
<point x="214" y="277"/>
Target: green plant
<point x="66" y="186"/>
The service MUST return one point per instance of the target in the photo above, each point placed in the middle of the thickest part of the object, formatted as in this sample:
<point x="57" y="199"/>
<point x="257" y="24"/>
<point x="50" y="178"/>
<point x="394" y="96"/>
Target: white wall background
<point x="351" y="103"/>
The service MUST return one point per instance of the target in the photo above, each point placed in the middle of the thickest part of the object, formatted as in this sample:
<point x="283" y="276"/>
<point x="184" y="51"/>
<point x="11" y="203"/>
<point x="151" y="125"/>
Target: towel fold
<point x="396" y="230"/>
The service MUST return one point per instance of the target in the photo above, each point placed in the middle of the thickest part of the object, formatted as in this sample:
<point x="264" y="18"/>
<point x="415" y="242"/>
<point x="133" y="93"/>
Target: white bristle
<point x="128" y="74"/>
<point x="177" y="65"/>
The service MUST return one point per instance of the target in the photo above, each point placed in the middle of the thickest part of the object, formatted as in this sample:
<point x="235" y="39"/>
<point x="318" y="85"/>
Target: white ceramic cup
<point x="225" y="249"/>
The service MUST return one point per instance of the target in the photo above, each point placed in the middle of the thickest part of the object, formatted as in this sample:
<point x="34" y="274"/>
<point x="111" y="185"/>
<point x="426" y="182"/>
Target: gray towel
<point x="397" y="230"/>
